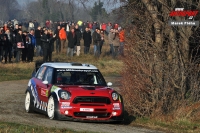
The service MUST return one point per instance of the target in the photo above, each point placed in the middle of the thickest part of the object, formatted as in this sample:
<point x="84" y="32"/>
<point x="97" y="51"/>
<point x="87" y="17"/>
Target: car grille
<point x="85" y="114"/>
<point x="104" y="100"/>
<point x="91" y="104"/>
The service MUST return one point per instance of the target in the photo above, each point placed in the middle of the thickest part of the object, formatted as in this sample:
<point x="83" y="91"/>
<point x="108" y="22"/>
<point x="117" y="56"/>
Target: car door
<point x="44" y="88"/>
<point x="39" y="104"/>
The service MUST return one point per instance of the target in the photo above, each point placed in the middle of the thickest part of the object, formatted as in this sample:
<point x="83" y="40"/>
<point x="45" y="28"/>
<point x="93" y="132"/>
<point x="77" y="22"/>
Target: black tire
<point x="53" y="111"/>
<point x="29" y="102"/>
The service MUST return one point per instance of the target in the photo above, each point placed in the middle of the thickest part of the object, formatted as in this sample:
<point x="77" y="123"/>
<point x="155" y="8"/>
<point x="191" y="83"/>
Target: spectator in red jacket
<point x="116" y="26"/>
<point x="103" y="27"/>
<point x="63" y="37"/>
<point x="121" y="40"/>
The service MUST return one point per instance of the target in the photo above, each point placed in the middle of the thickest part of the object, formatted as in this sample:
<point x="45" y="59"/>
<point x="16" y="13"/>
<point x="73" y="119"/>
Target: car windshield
<point x="79" y="77"/>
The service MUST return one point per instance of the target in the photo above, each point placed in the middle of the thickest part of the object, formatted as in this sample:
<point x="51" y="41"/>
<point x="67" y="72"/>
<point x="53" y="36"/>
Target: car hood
<point x="88" y="90"/>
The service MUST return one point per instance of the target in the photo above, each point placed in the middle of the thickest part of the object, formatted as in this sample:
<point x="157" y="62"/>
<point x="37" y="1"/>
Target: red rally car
<point x="73" y="91"/>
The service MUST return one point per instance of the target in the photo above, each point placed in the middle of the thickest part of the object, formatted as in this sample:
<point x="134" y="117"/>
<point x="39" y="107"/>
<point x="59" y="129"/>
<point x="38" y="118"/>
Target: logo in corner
<point x="188" y="16"/>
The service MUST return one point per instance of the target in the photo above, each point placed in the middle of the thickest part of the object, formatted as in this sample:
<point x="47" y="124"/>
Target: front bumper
<point x="92" y="112"/>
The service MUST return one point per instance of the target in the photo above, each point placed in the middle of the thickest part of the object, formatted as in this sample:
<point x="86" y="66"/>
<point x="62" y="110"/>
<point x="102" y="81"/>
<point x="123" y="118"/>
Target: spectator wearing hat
<point x="20" y="26"/>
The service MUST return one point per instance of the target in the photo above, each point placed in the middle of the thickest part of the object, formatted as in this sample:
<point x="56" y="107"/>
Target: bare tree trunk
<point x="157" y="67"/>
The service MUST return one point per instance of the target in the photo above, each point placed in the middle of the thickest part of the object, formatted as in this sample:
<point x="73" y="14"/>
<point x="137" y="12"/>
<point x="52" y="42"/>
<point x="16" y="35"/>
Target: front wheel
<point x="53" y="109"/>
<point x="28" y="103"/>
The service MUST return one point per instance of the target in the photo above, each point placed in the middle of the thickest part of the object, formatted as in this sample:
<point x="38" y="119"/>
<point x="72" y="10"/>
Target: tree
<point x="159" y="75"/>
<point x="9" y="9"/>
<point x="97" y="10"/>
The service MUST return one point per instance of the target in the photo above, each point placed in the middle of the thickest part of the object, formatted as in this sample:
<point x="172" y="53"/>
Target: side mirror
<point x="109" y="84"/>
<point x="45" y="82"/>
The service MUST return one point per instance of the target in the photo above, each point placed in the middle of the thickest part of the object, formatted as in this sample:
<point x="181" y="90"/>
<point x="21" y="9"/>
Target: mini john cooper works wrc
<point x="73" y="91"/>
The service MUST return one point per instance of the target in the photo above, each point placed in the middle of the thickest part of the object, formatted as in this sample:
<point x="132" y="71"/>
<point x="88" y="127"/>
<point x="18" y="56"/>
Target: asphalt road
<point x="12" y="110"/>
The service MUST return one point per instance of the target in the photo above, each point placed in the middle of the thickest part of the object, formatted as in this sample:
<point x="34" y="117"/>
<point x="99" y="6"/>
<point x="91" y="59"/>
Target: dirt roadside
<point x="12" y="110"/>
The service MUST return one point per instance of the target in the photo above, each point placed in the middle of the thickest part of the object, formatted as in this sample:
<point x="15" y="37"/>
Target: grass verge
<point x="18" y="71"/>
<point x="175" y="126"/>
<point x="6" y="127"/>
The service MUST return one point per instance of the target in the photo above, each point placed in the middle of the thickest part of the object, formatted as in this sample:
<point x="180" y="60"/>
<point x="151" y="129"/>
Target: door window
<point x="48" y="75"/>
<point x="40" y="74"/>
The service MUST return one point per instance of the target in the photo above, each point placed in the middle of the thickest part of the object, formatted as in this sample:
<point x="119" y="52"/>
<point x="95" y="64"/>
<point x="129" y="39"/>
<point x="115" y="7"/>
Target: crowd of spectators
<point x="22" y="41"/>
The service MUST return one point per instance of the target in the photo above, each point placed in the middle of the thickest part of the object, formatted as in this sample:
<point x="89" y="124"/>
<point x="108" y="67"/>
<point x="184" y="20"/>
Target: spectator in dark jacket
<point x="25" y="49"/>
<point x="77" y="47"/>
<point x="38" y="41"/>
<point x="57" y="38"/>
<point x="1" y="45"/>
<point x="47" y="48"/>
<point x="9" y="40"/>
<point x="6" y="44"/>
<point x="19" y="41"/>
<point x="51" y="44"/>
<point x="94" y="36"/>
<point x="71" y="41"/>
<point x="87" y="40"/>
<point x="45" y="43"/>
<point x="14" y="33"/>
<point x="98" y="41"/>
<point x="31" y="45"/>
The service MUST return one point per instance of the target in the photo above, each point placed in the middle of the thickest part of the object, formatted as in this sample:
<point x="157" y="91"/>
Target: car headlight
<point x="64" y="95"/>
<point x="115" y="96"/>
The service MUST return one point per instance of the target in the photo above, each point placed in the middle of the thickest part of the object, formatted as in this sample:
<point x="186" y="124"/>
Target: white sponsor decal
<point x="92" y="117"/>
<point x="116" y="108"/>
<point x="65" y="105"/>
<point x="79" y="70"/>
<point x="116" y="105"/>
<point x="86" y="109"/>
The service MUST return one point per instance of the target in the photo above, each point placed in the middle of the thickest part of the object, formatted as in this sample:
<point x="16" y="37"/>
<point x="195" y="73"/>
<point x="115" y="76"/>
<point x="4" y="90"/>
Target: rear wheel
<point x="28" y="102"/>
